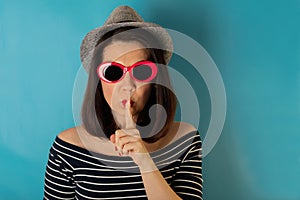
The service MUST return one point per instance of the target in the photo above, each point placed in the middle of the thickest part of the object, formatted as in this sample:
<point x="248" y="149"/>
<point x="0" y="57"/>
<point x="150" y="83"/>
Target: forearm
<point x="157" y="187"/>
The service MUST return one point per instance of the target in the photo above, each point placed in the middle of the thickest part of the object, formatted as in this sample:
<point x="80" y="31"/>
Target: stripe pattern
<point x="73" y="172"/>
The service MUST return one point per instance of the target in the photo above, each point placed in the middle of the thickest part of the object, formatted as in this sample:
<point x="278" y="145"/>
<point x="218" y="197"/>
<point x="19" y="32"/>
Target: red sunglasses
<point x="112" y="72"/>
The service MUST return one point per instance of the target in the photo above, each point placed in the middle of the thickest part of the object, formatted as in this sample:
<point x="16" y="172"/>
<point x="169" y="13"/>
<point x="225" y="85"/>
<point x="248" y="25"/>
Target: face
<point x="127" y="90"/>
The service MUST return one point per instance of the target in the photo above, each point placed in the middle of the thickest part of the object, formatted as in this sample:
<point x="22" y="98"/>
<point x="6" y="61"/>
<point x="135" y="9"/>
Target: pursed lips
<point x="124" y="101"/>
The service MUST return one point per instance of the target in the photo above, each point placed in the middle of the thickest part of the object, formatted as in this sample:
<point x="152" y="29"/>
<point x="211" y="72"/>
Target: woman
<point x="128" y="146"/>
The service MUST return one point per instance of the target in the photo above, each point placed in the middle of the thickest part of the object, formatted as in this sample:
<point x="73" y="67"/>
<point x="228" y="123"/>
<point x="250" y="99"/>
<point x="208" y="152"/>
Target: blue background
<point x="255" y="44"/>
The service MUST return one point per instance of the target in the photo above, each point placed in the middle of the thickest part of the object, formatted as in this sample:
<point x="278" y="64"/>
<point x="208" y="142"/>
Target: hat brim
<point x="90" y="40"/>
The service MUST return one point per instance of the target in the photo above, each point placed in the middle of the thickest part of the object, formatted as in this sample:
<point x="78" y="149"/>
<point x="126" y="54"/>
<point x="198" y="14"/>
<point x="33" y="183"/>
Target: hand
<point x="130" y="143"/>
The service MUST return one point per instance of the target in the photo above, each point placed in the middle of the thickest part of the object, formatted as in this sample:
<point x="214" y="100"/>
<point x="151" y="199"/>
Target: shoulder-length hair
<point x="97" y="117"/>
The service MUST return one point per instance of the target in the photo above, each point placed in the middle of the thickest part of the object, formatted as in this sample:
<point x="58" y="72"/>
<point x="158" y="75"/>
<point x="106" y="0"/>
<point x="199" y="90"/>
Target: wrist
<point x="146" y="164"/>
<point x="147" y="168"/>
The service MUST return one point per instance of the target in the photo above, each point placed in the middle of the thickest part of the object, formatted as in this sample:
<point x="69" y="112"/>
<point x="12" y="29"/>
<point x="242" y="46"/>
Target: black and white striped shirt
<point x="75" y="173"/>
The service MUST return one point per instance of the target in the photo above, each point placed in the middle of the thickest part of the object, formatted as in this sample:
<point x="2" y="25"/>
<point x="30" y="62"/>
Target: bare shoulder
<point x="185" y="128"/>
<point x="181" y="129"/>
<point x="71" y="136"/>
<point x="79" y="137"/>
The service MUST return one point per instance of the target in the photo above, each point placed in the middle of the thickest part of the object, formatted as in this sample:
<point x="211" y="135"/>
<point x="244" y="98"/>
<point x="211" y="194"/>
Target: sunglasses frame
<point x="103" y="66"/>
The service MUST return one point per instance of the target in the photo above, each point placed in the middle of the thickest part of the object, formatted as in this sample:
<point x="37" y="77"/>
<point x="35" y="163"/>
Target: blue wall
<point x="255" y="44"/>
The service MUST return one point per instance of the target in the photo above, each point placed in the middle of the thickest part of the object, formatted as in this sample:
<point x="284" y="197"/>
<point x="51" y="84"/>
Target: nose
<point x="127" y="83"/>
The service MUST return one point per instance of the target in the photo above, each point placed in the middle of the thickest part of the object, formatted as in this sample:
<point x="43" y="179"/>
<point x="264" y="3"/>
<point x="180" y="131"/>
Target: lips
<point x="124" y="101"/>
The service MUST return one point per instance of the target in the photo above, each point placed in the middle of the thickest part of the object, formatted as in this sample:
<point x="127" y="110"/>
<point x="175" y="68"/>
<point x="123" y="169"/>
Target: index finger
<point x="129" y="123"/>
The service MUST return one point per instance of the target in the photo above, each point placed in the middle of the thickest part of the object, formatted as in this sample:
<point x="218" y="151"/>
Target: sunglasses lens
<point x="113" y="73"/>
<point x="142" y="72"/>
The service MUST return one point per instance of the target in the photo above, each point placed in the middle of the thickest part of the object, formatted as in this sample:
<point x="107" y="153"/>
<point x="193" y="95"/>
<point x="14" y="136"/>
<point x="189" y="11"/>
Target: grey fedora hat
<point x="124" y="16"/>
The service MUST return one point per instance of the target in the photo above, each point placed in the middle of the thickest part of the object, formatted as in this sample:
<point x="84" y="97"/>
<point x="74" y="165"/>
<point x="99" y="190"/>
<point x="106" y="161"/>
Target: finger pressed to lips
<point x="130" y="124"/>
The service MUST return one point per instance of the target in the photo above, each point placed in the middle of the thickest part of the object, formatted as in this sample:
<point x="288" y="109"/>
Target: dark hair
<point x="96" y="114"/>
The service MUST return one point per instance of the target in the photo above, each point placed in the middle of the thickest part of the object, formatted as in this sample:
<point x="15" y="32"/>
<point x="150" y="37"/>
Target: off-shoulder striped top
<point x="73" y="172"/>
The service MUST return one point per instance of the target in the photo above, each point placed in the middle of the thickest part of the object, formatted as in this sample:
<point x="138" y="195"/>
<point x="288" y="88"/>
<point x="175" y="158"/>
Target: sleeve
<point x="188" y="180"/>
<point x="59" y="183"/>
